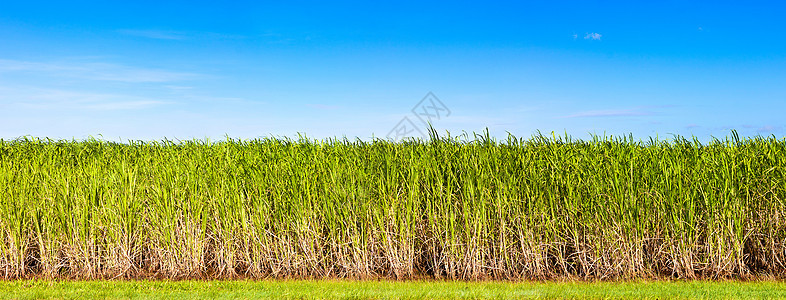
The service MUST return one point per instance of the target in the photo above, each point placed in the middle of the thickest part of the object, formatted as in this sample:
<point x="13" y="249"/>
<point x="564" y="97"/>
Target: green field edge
<point x="417" y="289"/>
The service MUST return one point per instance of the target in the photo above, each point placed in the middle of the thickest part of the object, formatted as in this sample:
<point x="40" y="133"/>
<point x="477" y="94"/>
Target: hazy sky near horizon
<point x="193" y="69"/>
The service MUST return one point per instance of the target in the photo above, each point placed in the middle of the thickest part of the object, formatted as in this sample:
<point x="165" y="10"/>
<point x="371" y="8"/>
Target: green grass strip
<point x="331" y="289"/>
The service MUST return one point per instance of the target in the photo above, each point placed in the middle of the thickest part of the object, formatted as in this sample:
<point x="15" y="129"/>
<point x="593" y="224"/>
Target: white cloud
<point x="323" y="106"/>
<point x="95" y="71"/>
<point x="125" y="105"/>
<point x="176" y="35"/>
<point x="767" y="128"/>
<point x="178" y="87"/>
<point x="629" y="112"/>
<point x="31" y="98"/>
<point x="593" y="36"/>
<point x="155" y="34"/>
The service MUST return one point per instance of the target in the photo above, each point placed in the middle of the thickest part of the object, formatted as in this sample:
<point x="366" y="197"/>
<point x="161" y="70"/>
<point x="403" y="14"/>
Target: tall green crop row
<point x="449" y="207"/>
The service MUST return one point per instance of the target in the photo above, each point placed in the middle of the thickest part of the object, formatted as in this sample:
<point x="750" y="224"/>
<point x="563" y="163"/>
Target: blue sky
<point x="154" y="69"/>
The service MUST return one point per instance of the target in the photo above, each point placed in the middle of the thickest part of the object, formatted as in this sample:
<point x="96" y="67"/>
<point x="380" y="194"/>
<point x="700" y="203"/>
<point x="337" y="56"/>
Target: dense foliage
<point x="542" y="207"/>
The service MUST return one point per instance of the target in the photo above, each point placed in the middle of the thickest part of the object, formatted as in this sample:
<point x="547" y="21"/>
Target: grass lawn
<point x="334" y="289"/>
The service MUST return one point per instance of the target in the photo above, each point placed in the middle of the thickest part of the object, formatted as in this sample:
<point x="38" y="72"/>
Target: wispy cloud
<point x="155" y="34"/>
<point x="95" y="71"/>
<point x="176" y="35"/>
<point x="178" y="87"/>
<point x="628" y="112"/>
<point x="323" y="106"/>
<point x="768" y="128"/>
<point x="593" y="36"/>
<point x="31" y="98"/>
<point x="757" y="128"/>
<point x="125" y="105"/>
